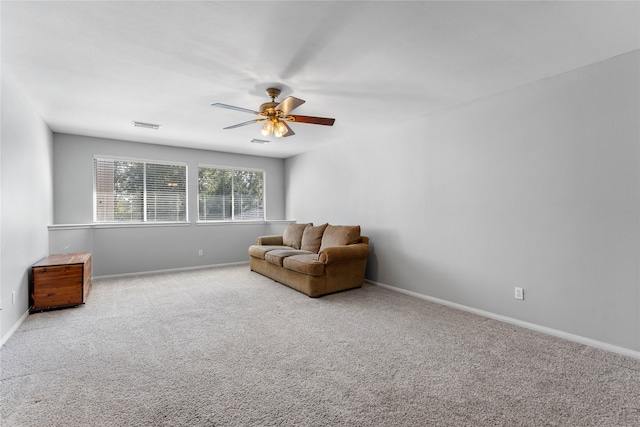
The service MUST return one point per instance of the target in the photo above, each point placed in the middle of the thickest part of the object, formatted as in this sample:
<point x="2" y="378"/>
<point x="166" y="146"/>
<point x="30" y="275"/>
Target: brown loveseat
<point x="314" y="260"/>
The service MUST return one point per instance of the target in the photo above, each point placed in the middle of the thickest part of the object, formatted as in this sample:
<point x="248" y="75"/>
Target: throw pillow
<point x="292" y="235"/>
<point x="312" y="238"/>
<point x="340" y="235"/>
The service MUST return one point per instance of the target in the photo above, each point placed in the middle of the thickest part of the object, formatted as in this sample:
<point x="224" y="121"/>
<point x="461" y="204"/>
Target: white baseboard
<point x="549" y="331"/>
<point x="170" y="270"/>
<point x="14" y="328"/>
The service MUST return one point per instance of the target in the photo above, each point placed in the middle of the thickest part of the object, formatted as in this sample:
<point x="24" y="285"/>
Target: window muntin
<point x="129" y="191"/>
<point x="230" y="194"/>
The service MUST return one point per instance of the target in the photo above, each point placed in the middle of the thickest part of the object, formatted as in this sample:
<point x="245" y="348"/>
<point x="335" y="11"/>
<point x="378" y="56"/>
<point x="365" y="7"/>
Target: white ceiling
<point x="91" y="68"/>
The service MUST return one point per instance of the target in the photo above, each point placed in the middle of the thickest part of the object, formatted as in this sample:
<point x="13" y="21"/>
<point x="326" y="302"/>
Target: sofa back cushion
<point x="292" y="235"/>
<point x="312" y="238"/>
<point x="340" y="235"/>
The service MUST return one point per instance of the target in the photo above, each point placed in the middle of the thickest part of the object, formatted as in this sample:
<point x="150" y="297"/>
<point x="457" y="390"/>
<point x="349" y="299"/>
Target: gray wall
<point x="26" y="201"/>
<point x="537" y="187"/>
<point x="131" y="249"/>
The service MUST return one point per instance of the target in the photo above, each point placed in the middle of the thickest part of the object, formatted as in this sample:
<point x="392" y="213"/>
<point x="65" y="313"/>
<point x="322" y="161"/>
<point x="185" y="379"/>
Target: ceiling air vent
<point x="146" y="125"/>
<point x="259" y="141"/>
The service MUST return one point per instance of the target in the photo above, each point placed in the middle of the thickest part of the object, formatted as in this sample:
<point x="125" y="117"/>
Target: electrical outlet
<point x="519" y="293"/>
<point x="200" y="252"/>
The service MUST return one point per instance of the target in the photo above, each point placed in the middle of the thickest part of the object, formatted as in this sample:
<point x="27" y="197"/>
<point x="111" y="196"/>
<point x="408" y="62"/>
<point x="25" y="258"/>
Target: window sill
<point x="253" y="222"/>
<point x="160" y="224"/>
<point x="118" y="225"/>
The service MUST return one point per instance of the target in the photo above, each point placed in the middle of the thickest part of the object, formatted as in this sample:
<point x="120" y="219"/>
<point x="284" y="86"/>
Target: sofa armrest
<point x="342" y="254"/>
<point x="270" y="240"/>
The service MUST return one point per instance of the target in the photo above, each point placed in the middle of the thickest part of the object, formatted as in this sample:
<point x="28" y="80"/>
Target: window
<point x="230" y="194"/>
<point x="139" y="191"/>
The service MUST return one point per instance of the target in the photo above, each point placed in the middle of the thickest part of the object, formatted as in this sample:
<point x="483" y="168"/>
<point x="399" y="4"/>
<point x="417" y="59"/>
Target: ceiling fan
<point x="275" y="115"/>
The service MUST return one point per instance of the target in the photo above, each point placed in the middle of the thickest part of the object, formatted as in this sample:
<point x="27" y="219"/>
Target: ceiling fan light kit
<point x="276" y="115"/>
<point x="267" y="128"/>
<point x="279" y="129"/>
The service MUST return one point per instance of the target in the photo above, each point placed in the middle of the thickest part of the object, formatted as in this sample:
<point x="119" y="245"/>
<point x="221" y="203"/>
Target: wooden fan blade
<point x="290" y="131"/>
<point x="313" y="120"/>
<point x="231" y="107"/>
<point x="244" y="124"/>
<point x="289" y="104"/>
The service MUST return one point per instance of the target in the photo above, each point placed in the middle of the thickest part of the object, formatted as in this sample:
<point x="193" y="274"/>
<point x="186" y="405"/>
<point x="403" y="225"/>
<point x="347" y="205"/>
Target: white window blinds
<point x="139" y="191"/>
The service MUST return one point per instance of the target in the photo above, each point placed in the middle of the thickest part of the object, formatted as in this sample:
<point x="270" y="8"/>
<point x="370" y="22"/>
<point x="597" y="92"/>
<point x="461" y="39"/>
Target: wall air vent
<point x="146" y="125"/>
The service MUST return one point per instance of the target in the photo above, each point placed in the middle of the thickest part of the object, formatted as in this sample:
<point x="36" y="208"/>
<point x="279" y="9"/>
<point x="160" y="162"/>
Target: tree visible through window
<point x="230" y="194"/>
<point x="138" y="191"/>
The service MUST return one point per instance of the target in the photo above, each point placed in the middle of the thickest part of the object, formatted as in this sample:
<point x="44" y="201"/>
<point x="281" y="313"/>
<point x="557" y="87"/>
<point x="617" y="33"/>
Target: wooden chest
<point x="61" y="280"/>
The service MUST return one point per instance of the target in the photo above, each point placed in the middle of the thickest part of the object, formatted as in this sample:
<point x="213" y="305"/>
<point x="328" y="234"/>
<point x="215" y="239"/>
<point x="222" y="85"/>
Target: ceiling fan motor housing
<point x="269" y="108"/>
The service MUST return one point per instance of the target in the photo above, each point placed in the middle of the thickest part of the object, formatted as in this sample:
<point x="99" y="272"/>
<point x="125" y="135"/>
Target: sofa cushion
<point x="292" y="235"/>
<point x="312" y="238"/>
<point x="259" y="251"/>
<point x="305" y="264"/>
<point x="340" y="235"/>
<point x="276" y="257"/>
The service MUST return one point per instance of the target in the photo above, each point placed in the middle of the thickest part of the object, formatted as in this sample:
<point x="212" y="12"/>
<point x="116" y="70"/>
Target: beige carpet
<point x="227" y="347"/>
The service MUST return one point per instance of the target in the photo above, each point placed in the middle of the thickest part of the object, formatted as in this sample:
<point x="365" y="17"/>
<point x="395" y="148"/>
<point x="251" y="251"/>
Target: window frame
<point x="232" y="220"/>
<point x="144" y="162"/>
